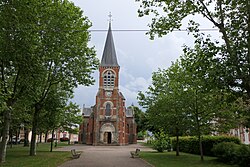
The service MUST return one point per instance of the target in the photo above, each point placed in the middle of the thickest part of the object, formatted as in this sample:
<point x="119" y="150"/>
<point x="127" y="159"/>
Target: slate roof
<point x="109" y="54"/>
<point x="123" y="98"/>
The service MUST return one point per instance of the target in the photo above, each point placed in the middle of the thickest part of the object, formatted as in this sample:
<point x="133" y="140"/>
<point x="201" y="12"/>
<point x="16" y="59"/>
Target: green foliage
<point x="243" y="156"/>
<point x="161" y="142"/>
<point x="165" y="100"/>
<point x="44" y="54"/>
<point x="183" y="100"/>
<point x="212" y="74"/>
<point x="226" y="151"/>
<point x="190" y="144"/>
<point x="140" y="119"/>
<point x="242" y="108"/>
<point x="71" y="118"/>
<point x="232" y="153"/>
<point x="230" y="17"/>
<point x="141" y="135"/>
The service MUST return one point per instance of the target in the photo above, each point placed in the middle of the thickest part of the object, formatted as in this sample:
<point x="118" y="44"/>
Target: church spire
<point x="109" y="54"/>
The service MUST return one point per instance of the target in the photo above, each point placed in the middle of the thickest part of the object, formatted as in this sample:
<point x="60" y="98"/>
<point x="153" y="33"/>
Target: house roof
<point x="109" y="54"/>
<point x="123" y="98"/>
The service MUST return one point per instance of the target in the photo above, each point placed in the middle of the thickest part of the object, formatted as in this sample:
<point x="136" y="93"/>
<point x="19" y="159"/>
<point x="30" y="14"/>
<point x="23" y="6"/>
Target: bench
<point x="75" y="155"/>
<point x="135" y="153"/>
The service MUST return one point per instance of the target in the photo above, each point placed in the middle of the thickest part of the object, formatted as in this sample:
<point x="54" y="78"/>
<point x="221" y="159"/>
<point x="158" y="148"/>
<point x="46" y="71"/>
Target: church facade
<point x="108" y="122"/>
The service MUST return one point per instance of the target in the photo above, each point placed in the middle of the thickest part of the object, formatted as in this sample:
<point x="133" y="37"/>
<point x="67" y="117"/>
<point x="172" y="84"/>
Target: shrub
<point x="190" y="144"/>
<point x="243" y="156"/>
<point x="140" y="135"/>
<point x="232" y="153"/>
<point x="161" y="142"/>
<point x="226" y="151"/>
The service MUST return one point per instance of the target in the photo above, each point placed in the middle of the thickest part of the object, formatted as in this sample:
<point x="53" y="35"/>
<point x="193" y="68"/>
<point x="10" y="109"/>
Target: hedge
<point x="232" y="153"/>
<point x="190" y="144"/>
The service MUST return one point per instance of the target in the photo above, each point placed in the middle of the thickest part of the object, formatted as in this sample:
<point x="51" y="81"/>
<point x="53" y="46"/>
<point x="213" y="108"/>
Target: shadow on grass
<point x="169" y="159"/>
<point x="19" y="156"/>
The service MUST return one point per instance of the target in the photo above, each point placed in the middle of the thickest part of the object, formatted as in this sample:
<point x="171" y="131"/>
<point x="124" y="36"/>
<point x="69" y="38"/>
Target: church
<point x="108" y="122"/>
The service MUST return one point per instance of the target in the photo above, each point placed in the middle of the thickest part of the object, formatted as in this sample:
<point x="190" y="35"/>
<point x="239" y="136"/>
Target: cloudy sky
<point x="138" y="56"/>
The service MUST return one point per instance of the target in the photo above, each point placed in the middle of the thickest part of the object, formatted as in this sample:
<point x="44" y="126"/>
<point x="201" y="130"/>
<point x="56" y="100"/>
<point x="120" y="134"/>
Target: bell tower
<point x="109" y="68"/>
<point x="108" y="122"/>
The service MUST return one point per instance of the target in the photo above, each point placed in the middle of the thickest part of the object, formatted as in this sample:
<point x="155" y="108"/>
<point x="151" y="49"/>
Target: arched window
<point x="109" y="79"/>
<point x="108" y="109"/>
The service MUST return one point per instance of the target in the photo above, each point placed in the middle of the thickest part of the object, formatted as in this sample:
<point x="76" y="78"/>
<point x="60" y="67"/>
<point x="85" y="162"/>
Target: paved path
<point x="101" y="156"/>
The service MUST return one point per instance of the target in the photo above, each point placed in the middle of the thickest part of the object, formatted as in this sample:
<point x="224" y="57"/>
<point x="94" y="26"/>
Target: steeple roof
<point x="109" y="54"/>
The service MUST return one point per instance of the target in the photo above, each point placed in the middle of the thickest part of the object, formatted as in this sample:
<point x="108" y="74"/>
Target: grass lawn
<point x="169" y="159"/>
<point x="19" y="156"/>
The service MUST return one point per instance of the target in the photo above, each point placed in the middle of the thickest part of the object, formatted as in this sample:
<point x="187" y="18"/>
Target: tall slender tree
<point x="16" y="59"/>
<point x="166" y="101"/>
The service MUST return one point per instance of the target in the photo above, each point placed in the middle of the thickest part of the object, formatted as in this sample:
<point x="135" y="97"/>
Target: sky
<point x="137" y="55"/>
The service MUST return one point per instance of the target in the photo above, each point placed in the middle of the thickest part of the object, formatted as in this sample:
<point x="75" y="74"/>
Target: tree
<point x="53" y="113"/>
<point x="16" y="61"/>
<point x="71" y="119"/>
<point x="139" y="119"/>
<point x="161" y="141"/>
<point x="231" y="58"/>
<point x="41" y="50"/>
<point x="184" y="98"/>
<point x="232" y="18"/>
<point x="66" y="58"/>
<point x="166" y="102"/>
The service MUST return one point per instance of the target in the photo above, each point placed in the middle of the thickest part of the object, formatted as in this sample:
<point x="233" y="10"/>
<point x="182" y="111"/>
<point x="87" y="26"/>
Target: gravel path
<point x="101" y="156"/>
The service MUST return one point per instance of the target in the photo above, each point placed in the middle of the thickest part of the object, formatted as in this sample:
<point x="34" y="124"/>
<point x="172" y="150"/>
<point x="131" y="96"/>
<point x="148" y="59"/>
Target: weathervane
<point x="110" y="17"/>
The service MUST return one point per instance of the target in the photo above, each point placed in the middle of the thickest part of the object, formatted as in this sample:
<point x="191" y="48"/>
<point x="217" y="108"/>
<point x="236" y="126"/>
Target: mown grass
<point x="19" y="156"/>
<point x="169" y="159"/>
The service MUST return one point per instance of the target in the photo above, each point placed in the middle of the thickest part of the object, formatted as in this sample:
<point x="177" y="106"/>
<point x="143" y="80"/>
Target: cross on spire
<point x="110" y="17"/>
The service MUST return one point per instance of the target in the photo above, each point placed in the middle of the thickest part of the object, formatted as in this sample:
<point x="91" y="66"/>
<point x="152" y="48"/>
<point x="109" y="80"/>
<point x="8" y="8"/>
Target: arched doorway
<point x="107" y="133"/>
<point x="107" y="137"/>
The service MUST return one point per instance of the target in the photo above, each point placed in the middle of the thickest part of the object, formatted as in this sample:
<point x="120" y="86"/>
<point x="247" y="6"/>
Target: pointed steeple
<point x="109" y="54"/>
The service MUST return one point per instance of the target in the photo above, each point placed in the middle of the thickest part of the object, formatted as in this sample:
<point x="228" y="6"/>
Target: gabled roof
<point x="109" y="54"/>
<point x="123" y="98"/>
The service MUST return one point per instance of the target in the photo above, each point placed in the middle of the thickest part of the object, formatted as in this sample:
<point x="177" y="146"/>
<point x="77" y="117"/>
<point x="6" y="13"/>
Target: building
<point x="108" y="122"/>
<point x="242" y="133"/>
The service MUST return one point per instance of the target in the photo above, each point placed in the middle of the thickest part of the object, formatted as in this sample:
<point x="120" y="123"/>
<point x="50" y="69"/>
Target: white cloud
<point x="137" y="56"/>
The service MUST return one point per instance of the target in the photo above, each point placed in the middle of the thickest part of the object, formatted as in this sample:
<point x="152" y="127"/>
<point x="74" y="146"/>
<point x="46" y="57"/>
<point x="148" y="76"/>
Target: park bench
<point x="135" y="153"/>
<point x="75" y="155"/>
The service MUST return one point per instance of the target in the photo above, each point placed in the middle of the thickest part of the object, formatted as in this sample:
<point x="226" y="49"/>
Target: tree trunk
<point x="26" y="136"/>
<point x="177" y="145"/>
<point x="5" y="135"/>
<point x="201" y="148"/>
<point x="46" y="136"/>
<point x="41" y="135"/>
<point x="69" y="138"/>
<point x="34" y="129"/>
<point x="52" y="141"/>
<point x="10" y="138"/>
<point x="17" y="136"/>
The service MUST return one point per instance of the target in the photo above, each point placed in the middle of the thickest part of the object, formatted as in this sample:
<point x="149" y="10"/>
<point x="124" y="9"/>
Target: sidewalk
<point x="100" y="156"/>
